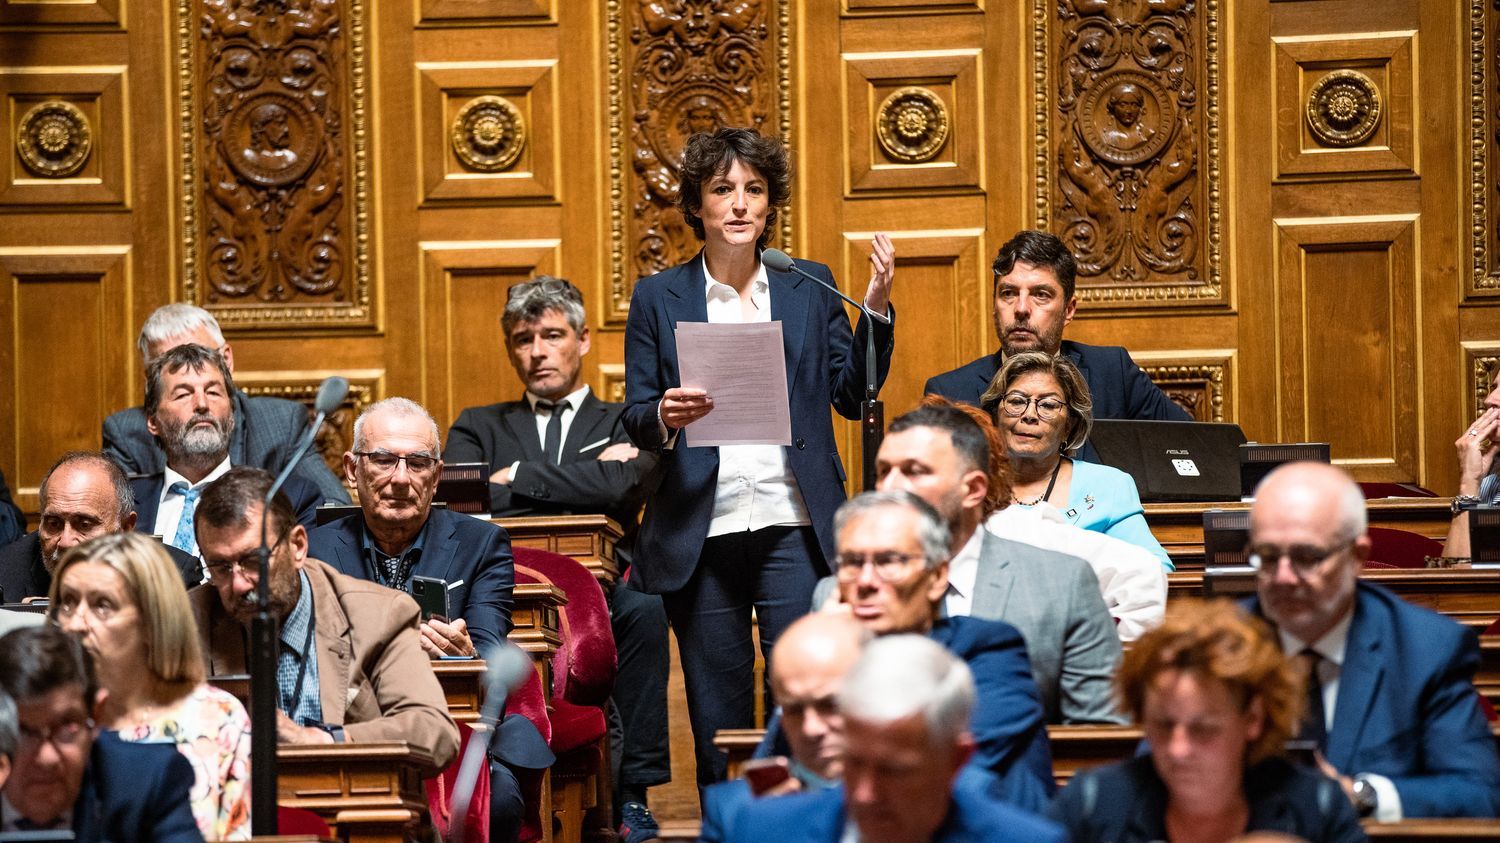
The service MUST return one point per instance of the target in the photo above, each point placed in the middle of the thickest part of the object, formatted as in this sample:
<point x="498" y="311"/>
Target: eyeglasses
<point x="385" y="462"/>
<point x="1305" y="558"/>
<point x="248" y="564"/>
<point x="1014" y="404"/>
<point x="63" y="735"/>
<point x="889" y="566"/>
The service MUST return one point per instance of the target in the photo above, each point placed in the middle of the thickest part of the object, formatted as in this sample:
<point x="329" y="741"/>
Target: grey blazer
<point x="1054" y="600"/>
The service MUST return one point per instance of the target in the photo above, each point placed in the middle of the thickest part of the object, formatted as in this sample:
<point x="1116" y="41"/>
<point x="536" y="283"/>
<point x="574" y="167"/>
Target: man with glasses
<point x="1391" y="705"/>
<point x="265" y="429"/>
<point x="1034" y="300"/>
<point x="65" y="775"/>
<point x="350" y="667"/>
<point x="892" y="573"/>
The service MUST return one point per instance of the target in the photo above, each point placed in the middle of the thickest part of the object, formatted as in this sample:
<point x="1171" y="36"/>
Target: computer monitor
<point x="1257" y="460"/>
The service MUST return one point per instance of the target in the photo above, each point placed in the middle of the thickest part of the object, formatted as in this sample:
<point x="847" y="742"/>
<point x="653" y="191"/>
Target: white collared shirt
<point x="963" y="571"/>
<point x="1332" y="648"/>
<point x="574" y="399"/>
<point x="756" y="488"/>
<point x="169" y="505"/>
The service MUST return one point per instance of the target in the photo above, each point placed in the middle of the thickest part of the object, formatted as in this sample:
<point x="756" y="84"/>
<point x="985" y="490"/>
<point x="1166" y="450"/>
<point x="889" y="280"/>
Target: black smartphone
<point x="431" y="595"/>
<point x="1304" y="753"/>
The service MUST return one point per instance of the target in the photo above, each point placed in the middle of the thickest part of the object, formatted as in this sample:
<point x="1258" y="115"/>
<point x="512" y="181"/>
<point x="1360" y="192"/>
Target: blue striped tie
<point x="185" y="540"/>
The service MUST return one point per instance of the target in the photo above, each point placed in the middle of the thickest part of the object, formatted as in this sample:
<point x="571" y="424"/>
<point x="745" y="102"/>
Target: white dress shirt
<point x="756" y="488"/>
<point x="574" y="399"/>
<point x="169" y="505"/>
<point x="1332" y="647"/>
<point x="963" y="570"/>
<point x="1131" y="578"/>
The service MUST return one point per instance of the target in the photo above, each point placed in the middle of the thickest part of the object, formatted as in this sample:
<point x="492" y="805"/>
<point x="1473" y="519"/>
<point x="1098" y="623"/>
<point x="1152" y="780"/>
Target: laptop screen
<point x="1173" y="461"/>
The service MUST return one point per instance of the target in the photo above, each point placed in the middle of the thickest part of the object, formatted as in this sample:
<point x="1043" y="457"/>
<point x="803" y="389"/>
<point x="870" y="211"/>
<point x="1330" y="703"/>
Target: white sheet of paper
<point x="743" y="368"/>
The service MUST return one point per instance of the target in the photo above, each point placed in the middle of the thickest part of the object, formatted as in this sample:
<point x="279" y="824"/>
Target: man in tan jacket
<point x="351" y="666"/>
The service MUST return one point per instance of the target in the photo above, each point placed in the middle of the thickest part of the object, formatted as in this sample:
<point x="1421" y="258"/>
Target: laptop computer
<point x="1173" y="461"/>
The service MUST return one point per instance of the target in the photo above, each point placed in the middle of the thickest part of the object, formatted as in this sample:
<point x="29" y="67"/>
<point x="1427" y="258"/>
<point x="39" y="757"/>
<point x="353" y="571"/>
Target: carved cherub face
<point x="1126" y="105"/>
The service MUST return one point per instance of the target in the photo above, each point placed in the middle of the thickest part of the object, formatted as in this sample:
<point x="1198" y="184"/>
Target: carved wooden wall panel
<point x="337" y="433"/>
<point x="59" y="12"/>
<point x="1355" y="387"/>
<point x="464" y="288"/>
<point x="1354" y="100"/>
<point x="68" y="128"/>
<point x="1481" y="367"/>
<point x="676" y="69"/>
<point x="276" y="212"/>
<point x="1200" y="382"/>
<point x="489" y="131"/>
<point x="1484" y="161"/>
<point x="913" y="121"/>
<point x="1127" y="145"/>
<point x="68" y="304"/>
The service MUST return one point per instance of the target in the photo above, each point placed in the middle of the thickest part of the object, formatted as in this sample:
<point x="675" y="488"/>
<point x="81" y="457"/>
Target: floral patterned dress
<point x="211" y="730"/>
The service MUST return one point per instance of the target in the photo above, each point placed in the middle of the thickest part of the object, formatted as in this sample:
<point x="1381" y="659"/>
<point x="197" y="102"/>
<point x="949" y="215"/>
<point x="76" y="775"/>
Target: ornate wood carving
<point x="1197" y="388"/>
<point x="1483" y="367"/>
<point x="54" y="139"/>
<point x="677" y="68"/>
<point x="1484" y="118"/>
<point x="1127" y="144"/>
<point x="337" y="433"/>
<point x="274" y="161"/>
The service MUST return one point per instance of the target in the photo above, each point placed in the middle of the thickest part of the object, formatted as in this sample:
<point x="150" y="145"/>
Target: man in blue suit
<point x="66" y="777"/>
<point x="906" y="707"/>
<point x="1391" y="698"/>
<point x="1034" y="301"/>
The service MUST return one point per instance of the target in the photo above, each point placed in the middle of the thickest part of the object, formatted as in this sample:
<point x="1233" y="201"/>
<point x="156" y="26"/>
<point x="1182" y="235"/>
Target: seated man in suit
<point x="1391" y="699"/>
<point x="265" y="432"/>
<point x="812" y="657"/>
<point x="892" y="575"/>
<point x="189" y="411"/>
<point x="906" y="708"/>
<point x="1034" y="301"/>
<point x="84" y="494"/>
<point x="350" y="667"/>
<point x="561" y="450"/>
<point x="939" y="454"/>
<point x="398" y="534"/>
<point x="67" y="776"/>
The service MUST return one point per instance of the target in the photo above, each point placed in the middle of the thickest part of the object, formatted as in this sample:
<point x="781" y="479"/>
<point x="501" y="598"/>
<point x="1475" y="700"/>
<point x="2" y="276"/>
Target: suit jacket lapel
<point x="148" y="502"/>
<point x="1359" y="683"/>
<point x="237" y="455"/>
<point x="519" y="421"/>
<point x="993" y="580"/>
<point x="335" y="650"/>
<point x="986" y="373"/>
<point x="440" y="547"/>
<point x="790" y="295"/>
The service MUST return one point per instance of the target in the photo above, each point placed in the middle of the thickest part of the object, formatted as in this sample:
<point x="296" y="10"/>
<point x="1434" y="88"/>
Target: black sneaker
<point x="636" y="824"/>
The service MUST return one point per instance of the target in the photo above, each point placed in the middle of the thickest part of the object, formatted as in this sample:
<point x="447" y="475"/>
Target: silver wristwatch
<point x="1463" y="503"/>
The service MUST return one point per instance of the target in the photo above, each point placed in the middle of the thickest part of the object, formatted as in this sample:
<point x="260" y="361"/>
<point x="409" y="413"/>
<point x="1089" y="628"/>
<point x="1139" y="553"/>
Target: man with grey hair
<point x="265" y="430"/>
<point x="891" y="570"/>
<point x="906" y="707"/>
<point x="560" y="450"/>
<point x="1391" y="702"/>
<point x="189" y="409"/>
<point x="84" y="494"/>
<point x="398" y="535"/>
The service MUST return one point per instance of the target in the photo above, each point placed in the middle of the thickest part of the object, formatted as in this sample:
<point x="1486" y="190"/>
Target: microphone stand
<point x="872" y="409"/>
<point x="264" y="647"/>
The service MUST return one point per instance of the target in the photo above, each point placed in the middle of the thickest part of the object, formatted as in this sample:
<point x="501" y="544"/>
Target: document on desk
<point x="743" y="368"/>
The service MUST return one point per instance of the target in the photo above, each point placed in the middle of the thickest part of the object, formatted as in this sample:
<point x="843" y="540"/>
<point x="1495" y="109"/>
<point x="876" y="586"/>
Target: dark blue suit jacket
<point x="135" y="791"/>
<point x="12" y="522"/>
<point x="1407" y="709"/>
<point x="304" y="496"/>
<point x="23" y="574"/>
<point x="456" y="548"/>
<point x="973" y="817"/>
<point x="824" y="365"/>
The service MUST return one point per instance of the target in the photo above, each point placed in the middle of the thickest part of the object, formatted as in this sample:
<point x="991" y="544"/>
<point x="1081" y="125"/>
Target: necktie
<point x="184" y="539"/>
<point x="552" y="445"/>
<point x="1314" y="721"/>
<point x="392" y="566"/>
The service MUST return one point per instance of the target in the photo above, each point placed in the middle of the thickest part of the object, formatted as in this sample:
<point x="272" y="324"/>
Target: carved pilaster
<point x="1484" y="121"/>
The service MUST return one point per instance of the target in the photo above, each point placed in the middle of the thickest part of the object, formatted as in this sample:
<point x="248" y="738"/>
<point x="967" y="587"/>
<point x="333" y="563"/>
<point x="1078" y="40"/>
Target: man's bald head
<point x="84" y="494"/>
<point x="807" y="670"/>
<point x="1307" y="528"/>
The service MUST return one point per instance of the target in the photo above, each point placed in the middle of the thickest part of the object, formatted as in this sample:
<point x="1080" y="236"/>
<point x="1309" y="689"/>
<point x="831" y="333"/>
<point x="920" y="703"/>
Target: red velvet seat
<point x="583" y="676"/>
<point x="1402" y="548"/>
<point x="440" y="796"/>
<point x="290" y="821"/>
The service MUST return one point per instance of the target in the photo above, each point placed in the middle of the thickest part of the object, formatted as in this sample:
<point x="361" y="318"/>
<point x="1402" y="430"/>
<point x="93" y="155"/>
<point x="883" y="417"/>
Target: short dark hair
<point x="708" y="155"/>
<point x="968" y="440"/>
<point x="997" y="465"/>
<point x="529" y="300"/>
<point x="119" y="483"/>
<point x="226" y="502"/>
<point x="37" y="660"/>
<point x="1039" y="249"/>
<point x="186" y="356"/>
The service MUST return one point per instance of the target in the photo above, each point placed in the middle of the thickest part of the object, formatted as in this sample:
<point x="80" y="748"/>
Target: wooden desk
<point x="1179" y="526"/>
<point x="463" y="687"/>
<point x="590" y="539"/>
<point x="536" y="625"/>
<point x="1468" y="596"/>
<point x="366" y="792"/>
<point x="1076" y="748"/>
<point x="1422" y="831"/>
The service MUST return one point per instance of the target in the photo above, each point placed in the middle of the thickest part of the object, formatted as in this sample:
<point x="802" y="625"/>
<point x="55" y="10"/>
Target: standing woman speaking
<point x="741" y="526"/>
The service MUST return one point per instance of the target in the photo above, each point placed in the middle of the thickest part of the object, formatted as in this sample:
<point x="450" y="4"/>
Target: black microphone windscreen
<point x="777" y="260"/>
<point x="330" y="394"/>
<point x="507" y="669"/>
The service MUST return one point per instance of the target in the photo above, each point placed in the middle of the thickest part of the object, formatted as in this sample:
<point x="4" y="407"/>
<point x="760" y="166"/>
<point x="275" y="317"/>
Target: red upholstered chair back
<point x="290" y="821"/>
<point x="440" y="795"/>
<point x="1402" y="548"/>
<point x="583" y="670"/>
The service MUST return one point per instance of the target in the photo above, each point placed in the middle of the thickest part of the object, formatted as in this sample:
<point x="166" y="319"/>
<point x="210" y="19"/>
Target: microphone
<point x="507" y="669"/>
<point x="782" y="262"/>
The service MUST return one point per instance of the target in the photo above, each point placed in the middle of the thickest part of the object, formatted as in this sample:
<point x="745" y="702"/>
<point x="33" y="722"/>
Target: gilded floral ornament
<point x="488" y="134"/>
<point x="1343" y="108"/>
<point x="912" y="125"/>
<point x="54" y="139"/>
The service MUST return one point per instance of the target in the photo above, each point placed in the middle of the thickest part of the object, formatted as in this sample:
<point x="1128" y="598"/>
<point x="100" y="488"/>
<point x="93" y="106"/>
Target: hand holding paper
<point x="739" y="370"/>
